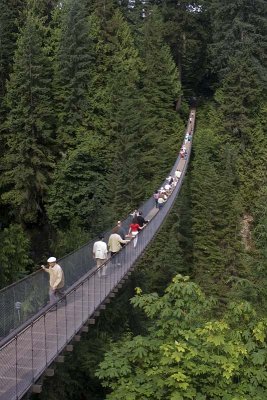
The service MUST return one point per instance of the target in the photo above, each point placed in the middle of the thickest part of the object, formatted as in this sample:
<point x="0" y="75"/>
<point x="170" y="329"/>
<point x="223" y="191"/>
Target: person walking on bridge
<point x="56" y="279"/>
<point x="141" y="220"/>
<point x="115" y="241"/>
<point x="100" y="253"/>
<point x="121" y="231"/>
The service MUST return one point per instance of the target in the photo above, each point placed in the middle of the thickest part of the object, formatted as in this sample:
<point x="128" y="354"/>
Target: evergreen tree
<point x="253" y="162"/>
<point x="28" y="159"/>
<point x="10" y="11"/>
<point x="72" y="72"/>
<point x="239" y="98"/>
<point x="122" y="86"/>
<point x="14" y="254"/>
<point x="187" y="30"/>
<point x="215" y="214"/>
<point x="43" y="9"/>
<point x="164" y="258"/>
<point x="79" y="186"/>
<point x="161" y="90"/>
<point x="238" y="28"/>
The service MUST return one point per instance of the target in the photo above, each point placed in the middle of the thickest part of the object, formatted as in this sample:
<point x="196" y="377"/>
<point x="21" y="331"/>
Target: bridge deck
<point x="31" y="348"/>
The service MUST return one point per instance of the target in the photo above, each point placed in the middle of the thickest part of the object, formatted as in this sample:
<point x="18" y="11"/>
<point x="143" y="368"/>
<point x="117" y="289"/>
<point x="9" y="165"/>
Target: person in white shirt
<point x="100" y="253"/>
<point x="56" y="279"/>
<point x="167" y="188"/>
<point x="161" y="201"/>
<point x="178" y="175"/>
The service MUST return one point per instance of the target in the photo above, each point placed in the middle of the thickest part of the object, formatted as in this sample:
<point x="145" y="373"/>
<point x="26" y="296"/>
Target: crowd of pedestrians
<point x="119" y="237"/>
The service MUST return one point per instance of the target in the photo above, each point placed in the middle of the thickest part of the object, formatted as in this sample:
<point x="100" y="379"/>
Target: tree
<point x="160" y="90"/>
<point x="215" y="210"/>
<point x="187" y="29"/>
<point x="239" y="98"/>
<point x="72" y="73"/>
<point x="78" y="187"/>
<point x="187" y="354"/>
<point x="253" y="160"/>
<point x="44" y="10"/>
<point x="14" y="254"/>
<point x="28" y="159"/>
<point x="10" y="11"/>
<point x="125" y="119"/>
<point x="237" y="28"/>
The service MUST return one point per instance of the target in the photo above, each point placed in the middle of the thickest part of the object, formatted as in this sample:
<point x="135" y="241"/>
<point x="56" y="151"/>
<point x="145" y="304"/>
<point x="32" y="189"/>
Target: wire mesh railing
<point x="28" y="350"/>
<point x="23" y="299"/>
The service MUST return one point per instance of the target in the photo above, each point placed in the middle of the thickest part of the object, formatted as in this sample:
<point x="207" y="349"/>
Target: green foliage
<point x="253" y="162"/>
<point x="79" y="186"/>
<point x="125" y="172"/>
<point x="215" y="212"/>
<point x="14" y="254"/>
<point x="28" y="159"/>
<point x="72" y="72"/>
<point x="69" y="239"/>
<point x="187" y="30"/>
<point x="160" y="91"/>
<point x="166" y="256"/>
<point x="186" y="354"/>
<point x="239" y="98"/>
<point x="239" y="28"/>
<point x="10" y="11"/>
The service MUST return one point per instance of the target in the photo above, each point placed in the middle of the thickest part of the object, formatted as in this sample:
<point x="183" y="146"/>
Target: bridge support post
<point x="37" y="388"/>
<point x="60" y="359"/>
<point x="50" y="372"/>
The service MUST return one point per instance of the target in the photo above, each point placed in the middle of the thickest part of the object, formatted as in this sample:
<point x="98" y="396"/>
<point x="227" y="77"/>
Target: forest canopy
<point x="94" y="99"/>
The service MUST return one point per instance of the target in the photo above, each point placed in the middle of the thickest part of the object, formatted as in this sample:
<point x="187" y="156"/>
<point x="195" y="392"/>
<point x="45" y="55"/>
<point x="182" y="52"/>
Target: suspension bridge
<point x="34" y="334"/>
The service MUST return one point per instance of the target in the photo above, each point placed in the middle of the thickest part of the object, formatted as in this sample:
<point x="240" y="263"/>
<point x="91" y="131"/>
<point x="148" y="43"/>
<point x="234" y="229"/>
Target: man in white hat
<point x="56" y="279"/>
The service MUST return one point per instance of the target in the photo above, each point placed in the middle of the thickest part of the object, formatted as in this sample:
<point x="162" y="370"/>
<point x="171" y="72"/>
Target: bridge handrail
<point x="32" y="301"/>
<point x="28" y="351"/>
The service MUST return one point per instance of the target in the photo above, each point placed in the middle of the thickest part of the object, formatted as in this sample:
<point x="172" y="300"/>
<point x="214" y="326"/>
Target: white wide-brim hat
<point x="51" y="259"/>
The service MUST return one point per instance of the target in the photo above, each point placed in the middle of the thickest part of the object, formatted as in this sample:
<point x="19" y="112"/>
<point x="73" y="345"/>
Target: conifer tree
<point x="14" y="254"/>
<point x="43" y="9"/>
<point x="252" y="162"/>
<point x="28" y="159"/>
<point x="10" y="11"/>
<point x="215" y="214"/>
<point x="239" y="27"/>
<point x="79" y="186"/>
<point x="103" y="146"/>
<point x="187" y="30"/>
<point x="126" y="119"/>
<point x="159" y="133"/>
<point x="239" y="98"/>
<point x="72" y="72"/>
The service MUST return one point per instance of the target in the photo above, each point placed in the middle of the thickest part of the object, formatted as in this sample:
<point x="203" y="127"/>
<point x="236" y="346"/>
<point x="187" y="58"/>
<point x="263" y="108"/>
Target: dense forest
<point x="94" y="100"/>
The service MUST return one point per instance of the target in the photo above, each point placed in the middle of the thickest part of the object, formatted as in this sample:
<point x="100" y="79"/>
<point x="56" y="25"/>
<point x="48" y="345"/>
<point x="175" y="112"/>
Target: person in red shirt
<point x="134" y="227"/>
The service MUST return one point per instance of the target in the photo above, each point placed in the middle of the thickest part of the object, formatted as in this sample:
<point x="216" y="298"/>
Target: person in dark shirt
<point x="141" y="220"/>
<point x="121" y="230"/>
